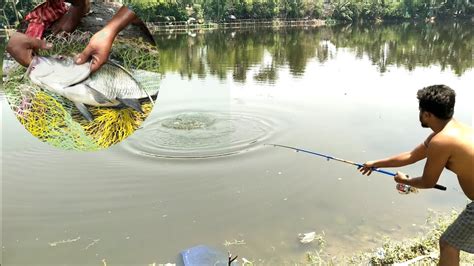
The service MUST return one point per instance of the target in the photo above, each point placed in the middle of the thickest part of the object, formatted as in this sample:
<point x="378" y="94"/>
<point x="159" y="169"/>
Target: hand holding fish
<point x="98" y="49"/>
<point x="99" y="46"/>
<point x="21" y="47"/>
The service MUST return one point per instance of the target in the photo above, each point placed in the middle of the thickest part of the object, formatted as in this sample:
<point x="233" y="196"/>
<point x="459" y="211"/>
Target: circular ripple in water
<point x="200" y="135"/>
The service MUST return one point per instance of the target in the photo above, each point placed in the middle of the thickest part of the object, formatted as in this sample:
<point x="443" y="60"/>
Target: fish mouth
<point x="34" y="62"/>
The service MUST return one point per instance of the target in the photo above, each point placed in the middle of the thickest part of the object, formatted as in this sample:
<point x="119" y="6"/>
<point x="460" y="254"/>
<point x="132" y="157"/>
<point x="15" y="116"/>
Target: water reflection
<point x="262" y="195"/>
<point x="259" y="54"/>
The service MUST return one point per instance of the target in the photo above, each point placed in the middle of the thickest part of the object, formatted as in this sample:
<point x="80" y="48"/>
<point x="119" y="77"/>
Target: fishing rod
<point x="440" y="187"/>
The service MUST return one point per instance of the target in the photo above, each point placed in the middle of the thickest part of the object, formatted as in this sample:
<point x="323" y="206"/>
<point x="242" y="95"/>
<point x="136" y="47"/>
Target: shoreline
<point x="245" y="24"/>
<point x="185" y="26"/>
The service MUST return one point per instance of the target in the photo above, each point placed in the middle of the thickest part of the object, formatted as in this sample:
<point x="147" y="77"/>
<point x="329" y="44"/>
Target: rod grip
<point x="440" y="187"/>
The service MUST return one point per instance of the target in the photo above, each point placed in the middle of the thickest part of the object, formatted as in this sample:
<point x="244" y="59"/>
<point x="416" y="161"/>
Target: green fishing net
<point x="55" y="120"/>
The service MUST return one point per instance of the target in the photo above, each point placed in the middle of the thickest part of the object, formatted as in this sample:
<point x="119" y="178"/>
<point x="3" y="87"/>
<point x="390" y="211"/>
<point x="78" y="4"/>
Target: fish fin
<point x="133" y="103"/>
<point x="98" y="96"/>
<point x="84" y="111"/>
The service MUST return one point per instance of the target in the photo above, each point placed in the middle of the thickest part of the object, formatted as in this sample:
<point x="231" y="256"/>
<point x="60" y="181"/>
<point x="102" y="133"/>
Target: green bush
<point x="13" y="12"/>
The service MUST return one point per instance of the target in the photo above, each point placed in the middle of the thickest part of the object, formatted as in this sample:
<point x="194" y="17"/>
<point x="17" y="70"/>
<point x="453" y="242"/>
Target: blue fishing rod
<point x="440" y="187"/>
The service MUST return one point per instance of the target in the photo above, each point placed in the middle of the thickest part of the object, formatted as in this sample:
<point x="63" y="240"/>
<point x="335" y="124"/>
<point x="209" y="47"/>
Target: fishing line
<point x="440" y="187"/>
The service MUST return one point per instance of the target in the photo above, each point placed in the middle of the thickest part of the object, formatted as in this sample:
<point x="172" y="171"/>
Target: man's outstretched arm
<point x="437" y="157"/>
<point x="402" y="159"/>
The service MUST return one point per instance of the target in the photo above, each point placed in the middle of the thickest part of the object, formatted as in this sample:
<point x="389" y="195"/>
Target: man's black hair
<point x="438" y="100"/>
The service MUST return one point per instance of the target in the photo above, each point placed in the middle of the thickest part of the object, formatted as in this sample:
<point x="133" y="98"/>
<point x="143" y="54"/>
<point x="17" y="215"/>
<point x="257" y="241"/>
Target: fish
<point x="110" y="86"/>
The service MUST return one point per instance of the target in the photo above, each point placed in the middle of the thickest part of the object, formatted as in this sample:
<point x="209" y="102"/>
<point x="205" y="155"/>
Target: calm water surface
<point x="198" y="171"/>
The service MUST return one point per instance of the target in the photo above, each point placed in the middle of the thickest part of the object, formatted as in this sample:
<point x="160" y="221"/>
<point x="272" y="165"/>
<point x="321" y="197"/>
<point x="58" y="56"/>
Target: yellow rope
<point x="111" y="125"/>
<point x="47" y="120"/>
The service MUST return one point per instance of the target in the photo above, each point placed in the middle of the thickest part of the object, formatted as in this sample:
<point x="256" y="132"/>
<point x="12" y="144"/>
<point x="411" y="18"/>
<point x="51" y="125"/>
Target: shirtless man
<point x="450" y="146"/>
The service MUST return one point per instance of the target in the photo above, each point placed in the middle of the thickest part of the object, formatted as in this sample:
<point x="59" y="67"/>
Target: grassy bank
<point x="422" y="248"/>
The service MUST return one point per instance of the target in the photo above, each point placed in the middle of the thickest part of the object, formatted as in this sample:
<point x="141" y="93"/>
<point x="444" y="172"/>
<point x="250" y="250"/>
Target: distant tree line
<point x="12" y="11"/>
<point x="345" y="10"/>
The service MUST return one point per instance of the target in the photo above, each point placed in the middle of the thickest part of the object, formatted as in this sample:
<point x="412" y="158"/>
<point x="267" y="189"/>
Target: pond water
<point x="198" y="171"/>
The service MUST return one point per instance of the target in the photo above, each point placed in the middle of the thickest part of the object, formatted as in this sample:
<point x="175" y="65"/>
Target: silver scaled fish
<point x="111" y="85"/>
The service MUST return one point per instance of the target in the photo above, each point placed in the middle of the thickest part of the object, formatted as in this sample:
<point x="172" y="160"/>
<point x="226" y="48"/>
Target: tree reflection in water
<point x="409" y="45"/>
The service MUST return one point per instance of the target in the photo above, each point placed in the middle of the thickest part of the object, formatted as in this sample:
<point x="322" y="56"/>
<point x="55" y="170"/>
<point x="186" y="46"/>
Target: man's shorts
<point x="460" y="234"/>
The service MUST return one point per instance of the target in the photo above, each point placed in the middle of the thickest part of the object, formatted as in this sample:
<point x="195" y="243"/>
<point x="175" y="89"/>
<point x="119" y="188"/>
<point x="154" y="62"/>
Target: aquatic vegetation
<point x="234" y="242"/>
<point x="66" y="241"/>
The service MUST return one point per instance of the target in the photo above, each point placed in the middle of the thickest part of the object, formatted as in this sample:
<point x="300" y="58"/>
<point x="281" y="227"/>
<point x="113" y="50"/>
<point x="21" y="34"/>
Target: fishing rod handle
<point x="440" y="187"/>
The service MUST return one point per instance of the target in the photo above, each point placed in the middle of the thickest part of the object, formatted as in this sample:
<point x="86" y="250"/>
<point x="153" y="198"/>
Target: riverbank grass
<point x="420" y="249"/>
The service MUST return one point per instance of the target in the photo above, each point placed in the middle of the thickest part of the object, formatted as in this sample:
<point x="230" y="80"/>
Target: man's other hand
<point x="21" y="47"/>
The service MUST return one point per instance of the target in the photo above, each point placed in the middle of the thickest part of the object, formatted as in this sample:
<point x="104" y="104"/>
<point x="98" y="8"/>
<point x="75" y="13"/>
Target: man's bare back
<point x="450" y="146"/>
<point x="459" y="139"/>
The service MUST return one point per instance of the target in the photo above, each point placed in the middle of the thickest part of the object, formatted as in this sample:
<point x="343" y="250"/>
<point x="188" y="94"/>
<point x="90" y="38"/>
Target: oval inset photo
<point x="81" y="78"/>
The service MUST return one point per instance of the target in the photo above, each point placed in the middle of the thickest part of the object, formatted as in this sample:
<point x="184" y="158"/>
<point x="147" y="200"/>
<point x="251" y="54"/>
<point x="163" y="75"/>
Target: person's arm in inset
<point x="100" y="44"/>
<point x="69" y="21"/>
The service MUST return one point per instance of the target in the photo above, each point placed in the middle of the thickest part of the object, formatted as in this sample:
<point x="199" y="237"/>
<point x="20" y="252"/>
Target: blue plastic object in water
<point x="203" y="255"/>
